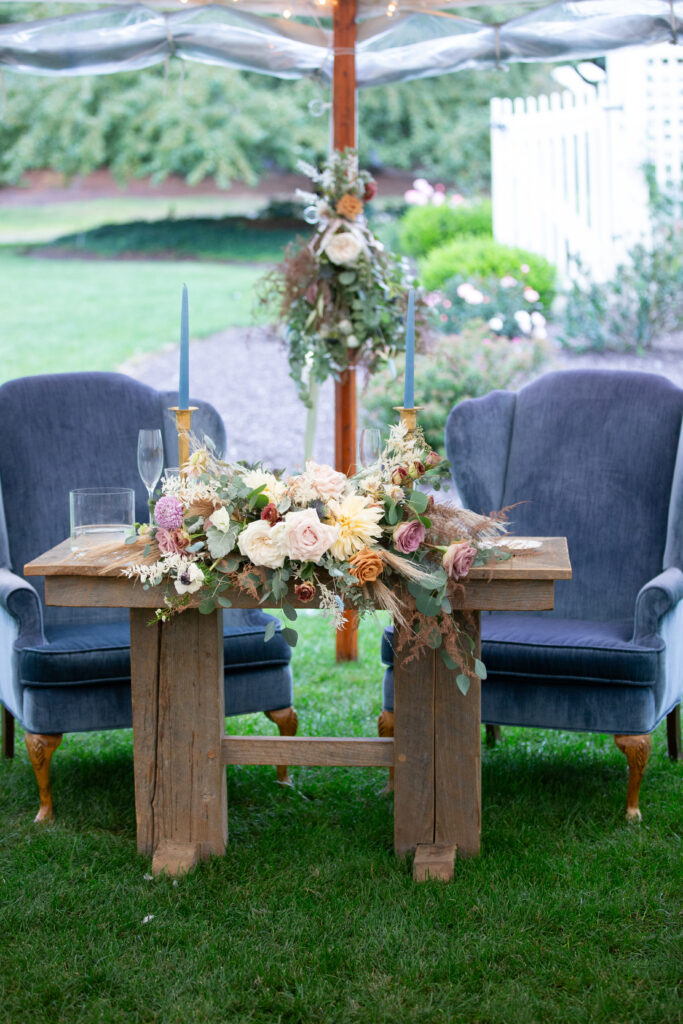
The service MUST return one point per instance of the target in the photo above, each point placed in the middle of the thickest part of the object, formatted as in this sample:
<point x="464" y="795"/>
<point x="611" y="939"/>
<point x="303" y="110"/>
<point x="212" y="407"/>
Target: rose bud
<point x="304" y="591"/>
<point x="271" y="513"/>
<point x="370" y="191"/>
<point x="458" y="559"/>
<point x="430" y="504"/>
<point x="433" y="459"/>
<point x="399" y="475"/>
<point x="417" y="469"/>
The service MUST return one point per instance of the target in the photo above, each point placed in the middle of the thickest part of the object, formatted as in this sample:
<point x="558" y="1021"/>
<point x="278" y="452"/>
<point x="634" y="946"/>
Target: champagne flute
<point x="150" y="461"/>
<point x="370" y="447"/>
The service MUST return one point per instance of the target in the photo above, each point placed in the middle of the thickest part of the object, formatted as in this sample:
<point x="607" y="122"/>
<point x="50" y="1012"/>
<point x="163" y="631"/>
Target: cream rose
<point x="306" y="538"/>
<point x="325" y="481"/>
<point x="343" y="249"/>
<point x="263" y="544"/>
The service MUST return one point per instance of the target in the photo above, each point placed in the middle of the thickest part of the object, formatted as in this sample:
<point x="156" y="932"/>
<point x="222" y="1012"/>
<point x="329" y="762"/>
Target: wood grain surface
<point x="304" y="750"/>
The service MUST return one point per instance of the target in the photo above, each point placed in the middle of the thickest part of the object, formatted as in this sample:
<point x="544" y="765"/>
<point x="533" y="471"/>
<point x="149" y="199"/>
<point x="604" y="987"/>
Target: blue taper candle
<point x="184" y="381"/>
<point x="409" y="392"/>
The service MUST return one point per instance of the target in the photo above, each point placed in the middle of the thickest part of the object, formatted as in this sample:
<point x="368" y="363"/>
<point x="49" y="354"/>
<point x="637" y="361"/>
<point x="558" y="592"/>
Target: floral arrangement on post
<point x="368" y="541"/>
<point x="340" y="296"/>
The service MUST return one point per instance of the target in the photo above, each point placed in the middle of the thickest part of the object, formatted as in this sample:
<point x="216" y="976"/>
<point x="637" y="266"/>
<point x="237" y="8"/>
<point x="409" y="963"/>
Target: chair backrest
<point x="63" y="431"/>
<point x="591" y="455"/>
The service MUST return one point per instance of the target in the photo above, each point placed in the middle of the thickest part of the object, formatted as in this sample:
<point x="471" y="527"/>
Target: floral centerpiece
<point x="367" y="541"/>
<point x="341" y="295"/>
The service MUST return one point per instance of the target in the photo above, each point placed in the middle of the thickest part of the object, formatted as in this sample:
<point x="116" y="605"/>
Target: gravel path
<point x="244" y="374"/>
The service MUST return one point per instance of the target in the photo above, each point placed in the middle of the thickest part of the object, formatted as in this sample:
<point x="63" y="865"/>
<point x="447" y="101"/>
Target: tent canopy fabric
<point x="414" y="44"/>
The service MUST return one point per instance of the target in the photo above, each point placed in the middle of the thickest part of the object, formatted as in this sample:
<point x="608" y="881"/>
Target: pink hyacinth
<point x="168" y="513"/>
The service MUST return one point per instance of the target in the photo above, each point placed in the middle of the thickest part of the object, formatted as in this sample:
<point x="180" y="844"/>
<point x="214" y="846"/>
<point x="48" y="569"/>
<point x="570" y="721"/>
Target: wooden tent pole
<point x="343" y="135"/>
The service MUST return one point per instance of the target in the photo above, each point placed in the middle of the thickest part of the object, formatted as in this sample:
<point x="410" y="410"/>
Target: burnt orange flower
<point x="349" y="206"/>
<point x="366" y="565"/>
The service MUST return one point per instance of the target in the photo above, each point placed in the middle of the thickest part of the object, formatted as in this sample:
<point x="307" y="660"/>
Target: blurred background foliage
<point x="208" y="122"/>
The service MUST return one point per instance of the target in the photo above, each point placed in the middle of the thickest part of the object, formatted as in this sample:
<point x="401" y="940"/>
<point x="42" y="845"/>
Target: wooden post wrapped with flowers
<point x="340" y="295"/>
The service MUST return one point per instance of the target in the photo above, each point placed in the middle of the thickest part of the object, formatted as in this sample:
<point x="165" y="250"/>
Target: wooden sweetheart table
<point x="179" y="741"/>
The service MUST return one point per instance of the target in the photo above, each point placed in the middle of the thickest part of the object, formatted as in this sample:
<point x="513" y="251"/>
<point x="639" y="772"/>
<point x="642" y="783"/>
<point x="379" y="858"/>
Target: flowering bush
<point x="439" y="218"/>
<point x="341" y="296"/>
<point x="455" y="367"/>
<point x="510" y="307"/>
<point x="346" y="541"/>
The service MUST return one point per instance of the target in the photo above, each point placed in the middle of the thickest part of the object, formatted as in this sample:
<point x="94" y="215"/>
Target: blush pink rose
<point x="306" y="539"/>
<point x="458" y="559"/>
<point x="171" y="542"/>
<point x="325" y="481"/>
<point x="409" y="536"/>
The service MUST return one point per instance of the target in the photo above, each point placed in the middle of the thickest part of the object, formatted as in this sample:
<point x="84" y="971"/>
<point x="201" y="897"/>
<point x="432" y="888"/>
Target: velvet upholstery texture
<point x="596" y="456"/>
<point x="68" y="669"/>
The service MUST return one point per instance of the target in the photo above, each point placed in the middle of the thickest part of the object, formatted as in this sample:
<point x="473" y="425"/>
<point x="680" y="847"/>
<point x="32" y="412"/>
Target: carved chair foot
<point x="385" y="728"/>
<point x="40" y="748"/>
<point x="637" y="751"/>
<point x="287" y="721"/>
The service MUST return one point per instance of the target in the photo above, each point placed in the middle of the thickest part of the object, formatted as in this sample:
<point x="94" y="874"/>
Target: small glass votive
<point x="101" y="515"/>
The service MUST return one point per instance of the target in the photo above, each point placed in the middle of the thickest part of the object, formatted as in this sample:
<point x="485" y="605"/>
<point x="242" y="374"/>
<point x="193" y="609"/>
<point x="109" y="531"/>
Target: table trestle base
<point x="321" y="751"/>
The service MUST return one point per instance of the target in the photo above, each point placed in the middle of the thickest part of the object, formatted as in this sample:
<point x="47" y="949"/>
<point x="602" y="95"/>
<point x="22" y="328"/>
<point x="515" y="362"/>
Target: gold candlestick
<point x="183" y="423"/>
<point x="409" y="416"/>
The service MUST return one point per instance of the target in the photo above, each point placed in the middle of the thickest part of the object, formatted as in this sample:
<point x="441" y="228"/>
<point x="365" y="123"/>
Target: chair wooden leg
<point x="40" y="748"/>
<point x="385" y="728"/>
<point x="673" y="734"/>
<point x="7" y="733"/>
<point x="493" y="735"/>
<point x="637" y="751"/>
<point x="287" y="722"/>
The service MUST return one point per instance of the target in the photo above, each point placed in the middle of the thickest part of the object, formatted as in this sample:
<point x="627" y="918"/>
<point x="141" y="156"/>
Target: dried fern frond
<point x="385" y="598"/>
<point x="449" y="523"/>
<point x="403" y="566"/>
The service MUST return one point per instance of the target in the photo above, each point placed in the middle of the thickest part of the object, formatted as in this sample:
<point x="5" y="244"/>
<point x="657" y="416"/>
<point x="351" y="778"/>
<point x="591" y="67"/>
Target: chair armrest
<point x="21" y="601"/>
<point x="654" y="601"/>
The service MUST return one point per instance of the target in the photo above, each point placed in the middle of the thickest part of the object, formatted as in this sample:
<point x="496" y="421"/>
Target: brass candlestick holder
<point x="183" y="423"/>
<point x="409" y="416"/>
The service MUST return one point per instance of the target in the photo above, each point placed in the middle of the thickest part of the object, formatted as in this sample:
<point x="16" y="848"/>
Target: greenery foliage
<point x="423" y="228"/>
<point x="642" y="301"/>
<point x="568" y="916"/>
<point x="200" y="122"/>
<point x="455" y="367"/>
<point x="509" y="306"/>
<point x="481" y="259"/>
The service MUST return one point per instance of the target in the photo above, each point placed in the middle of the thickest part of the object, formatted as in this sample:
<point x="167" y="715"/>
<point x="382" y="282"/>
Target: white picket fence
<point x="567" y="170"/>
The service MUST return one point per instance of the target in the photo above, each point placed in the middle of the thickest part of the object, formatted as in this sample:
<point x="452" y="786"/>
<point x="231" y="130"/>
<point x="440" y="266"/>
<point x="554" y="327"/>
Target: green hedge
<point x="482" y="259"/>
<point x="424" y="228"/>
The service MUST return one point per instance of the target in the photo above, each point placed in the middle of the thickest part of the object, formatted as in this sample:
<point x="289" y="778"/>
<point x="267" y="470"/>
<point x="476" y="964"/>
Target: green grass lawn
<point x="568" y="916"/>
<point x="64" y="315"/>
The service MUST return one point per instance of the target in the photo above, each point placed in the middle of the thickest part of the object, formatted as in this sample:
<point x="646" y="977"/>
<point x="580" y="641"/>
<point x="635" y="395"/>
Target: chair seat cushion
<point x="85" y="654"/>
<point x="538" y="647"/>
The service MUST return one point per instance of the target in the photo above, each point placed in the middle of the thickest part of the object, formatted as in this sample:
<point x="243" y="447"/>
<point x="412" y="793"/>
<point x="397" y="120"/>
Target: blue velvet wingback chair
<point x="596" y="456"/>
<point x="68" y="669"/>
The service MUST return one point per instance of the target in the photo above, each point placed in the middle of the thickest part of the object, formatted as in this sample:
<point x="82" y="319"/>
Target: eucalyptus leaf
<point x="447" y="660"/>
<point x="131" y="540"/>
<point x="290" y="636"/>
<point x="221" y="542"/>
<point x="463" y="683"/>
<point x="270" y="631"/>
<point x="480" y="668"/>
<point x="289" y="612"/>
<point x="207" y="606"/>
<point x="418" y="501"/>
<point x="224" y="602"/>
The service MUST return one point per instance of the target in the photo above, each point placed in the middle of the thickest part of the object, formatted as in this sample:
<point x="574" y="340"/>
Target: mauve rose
<point x="271" y="514"/>
<point x="409" y="536"/>
<point x="304" y="591"/>
<point x="433" y="459"/>
<point x="171" y="542"/>
<point x="370" y="191"/>
<point x="399" y="475"/>
<point x="458" y="559"/>
<point x="306" y="539"/>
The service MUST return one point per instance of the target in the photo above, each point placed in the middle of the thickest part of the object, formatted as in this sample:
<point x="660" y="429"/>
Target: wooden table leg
<point x="437" y="764"/>
<point x="178" y="724"/>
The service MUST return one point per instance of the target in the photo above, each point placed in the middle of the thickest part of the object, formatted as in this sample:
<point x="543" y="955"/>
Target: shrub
<point x="467" y="365"/>
<point x="509" y="305"/>
<point x="423" y="228"/>
<point x="483" y="259"/>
